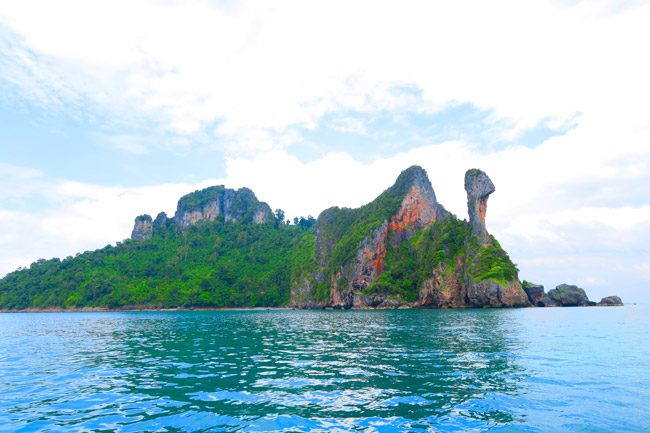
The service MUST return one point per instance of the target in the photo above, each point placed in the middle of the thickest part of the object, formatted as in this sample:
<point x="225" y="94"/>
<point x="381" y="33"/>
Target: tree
<point x="279" y="217"/>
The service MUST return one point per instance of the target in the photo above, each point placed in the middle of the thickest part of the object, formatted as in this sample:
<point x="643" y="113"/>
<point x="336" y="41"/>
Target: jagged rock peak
<point x="419" y="204"/>
<point x="161" y="221"/>
<point x="414" y="176"/>
<point x="143" y="228"/>
<point x="220" y="202"/>
<point x="478" y="187"/>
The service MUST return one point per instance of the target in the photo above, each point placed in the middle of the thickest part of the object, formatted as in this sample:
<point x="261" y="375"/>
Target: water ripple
<point x="561" y="370"/>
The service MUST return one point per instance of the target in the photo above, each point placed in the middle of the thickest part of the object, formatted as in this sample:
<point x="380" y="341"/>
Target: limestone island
<point x="223" y="248"/>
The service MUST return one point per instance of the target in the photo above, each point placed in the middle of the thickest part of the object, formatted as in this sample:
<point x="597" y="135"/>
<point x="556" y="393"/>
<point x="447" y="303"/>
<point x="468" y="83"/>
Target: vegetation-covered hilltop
<point x="224" y="248"/>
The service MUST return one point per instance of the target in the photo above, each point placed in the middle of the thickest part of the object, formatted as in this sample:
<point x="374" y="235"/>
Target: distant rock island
<point x="224" y="248"/>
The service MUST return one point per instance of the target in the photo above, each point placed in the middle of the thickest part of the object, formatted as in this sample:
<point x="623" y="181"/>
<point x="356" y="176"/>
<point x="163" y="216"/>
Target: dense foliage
<point x="343" y="229"/>
<point x="210" y="264"/>
<point x="231" y="262"/>
<point x="445" y="244"/>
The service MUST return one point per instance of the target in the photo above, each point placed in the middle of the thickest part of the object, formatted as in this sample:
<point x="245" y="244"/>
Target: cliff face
<point x="232" y="205"/>
<point x="405" y="249"/>
<point x="210" y="204"/>
<point x="478" y="187"/>
<point x="142" y="228"/>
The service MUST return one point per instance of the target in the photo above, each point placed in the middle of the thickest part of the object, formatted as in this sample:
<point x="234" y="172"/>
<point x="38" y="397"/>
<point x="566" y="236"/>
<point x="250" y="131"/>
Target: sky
<point x="109" y="110"/>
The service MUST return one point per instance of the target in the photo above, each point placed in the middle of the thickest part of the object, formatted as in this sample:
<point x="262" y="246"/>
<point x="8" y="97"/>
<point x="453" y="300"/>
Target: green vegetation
<point x="200" y="198"/>
<point x="492" y="263"/>
<point x="232" y="262"/>
<point x="443" y="245"/>
<point x="342" y="229"/>
<point x="526" y="284"/>
<point x="210" y="264"/>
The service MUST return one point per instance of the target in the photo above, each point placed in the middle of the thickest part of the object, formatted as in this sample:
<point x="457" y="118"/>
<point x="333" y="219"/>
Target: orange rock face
<point x="482" y="208"/>
<point x="416" y="212"/>
<point x="370" y="259"/>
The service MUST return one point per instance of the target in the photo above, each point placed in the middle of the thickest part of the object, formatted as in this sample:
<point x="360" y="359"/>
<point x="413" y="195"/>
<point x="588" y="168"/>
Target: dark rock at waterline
<point x="610" y="301"/>
<point x="534" y="291"/>
<point x="485" y="293"/>
<point x="565" y="295"/>
<point x="547" y="302"/>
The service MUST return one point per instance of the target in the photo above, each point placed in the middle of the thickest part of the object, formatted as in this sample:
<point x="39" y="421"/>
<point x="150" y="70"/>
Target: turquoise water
<point x="525" y="370"/>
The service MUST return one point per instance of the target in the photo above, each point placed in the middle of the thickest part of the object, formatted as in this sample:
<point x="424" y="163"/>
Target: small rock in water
<point x="534" y="291"/>
<point x="610" y="301"/>
<point x="565" y="295"/>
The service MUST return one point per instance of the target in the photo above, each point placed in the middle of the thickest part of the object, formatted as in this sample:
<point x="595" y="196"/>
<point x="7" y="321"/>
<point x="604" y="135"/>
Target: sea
<point x="475" y="370"/>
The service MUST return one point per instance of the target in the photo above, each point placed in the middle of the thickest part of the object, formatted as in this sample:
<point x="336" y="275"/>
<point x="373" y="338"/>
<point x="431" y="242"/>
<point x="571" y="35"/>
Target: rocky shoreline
<point x="565" y="295"/>
<point x="137" y="309"/>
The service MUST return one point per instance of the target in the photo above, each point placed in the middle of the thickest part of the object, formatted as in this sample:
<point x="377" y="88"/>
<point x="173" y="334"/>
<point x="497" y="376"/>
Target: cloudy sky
<point x="113" y="109"/>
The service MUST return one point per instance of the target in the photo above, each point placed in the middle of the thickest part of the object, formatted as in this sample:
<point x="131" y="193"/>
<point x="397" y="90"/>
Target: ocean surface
<point x="506" y="370"/>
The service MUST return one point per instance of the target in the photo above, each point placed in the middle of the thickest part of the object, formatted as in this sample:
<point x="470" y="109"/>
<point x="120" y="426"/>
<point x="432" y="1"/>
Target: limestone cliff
<point x="142" y="228"/>
<point x="215" y="203"/>
<point x="219" y="202"/>
<point x="479" y="187"/>
<point x="405" y="250"/>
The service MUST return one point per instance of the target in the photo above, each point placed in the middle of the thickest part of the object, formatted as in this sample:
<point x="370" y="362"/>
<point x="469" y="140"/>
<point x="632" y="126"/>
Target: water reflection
<point x="266" y="371"/>
<point x="402" y="368"/>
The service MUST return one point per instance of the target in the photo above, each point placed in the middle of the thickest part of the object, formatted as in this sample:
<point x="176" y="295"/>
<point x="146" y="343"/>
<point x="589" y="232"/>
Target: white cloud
<point x="248" y="74"/>
<point x="274" y="66"/>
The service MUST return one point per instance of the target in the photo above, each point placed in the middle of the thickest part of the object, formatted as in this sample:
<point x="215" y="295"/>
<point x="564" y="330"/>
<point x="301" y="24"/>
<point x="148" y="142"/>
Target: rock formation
<point x="161" y="221"/>
<point x="535" y="292"/>
<point x="143" y="228"/>
<point x="402" y="250"/>
<point x="565" y="295"/>
<point x="210" y="204"/>
<point x="479" y="187"/>
<point x="417" y="209"/>
<point x="610" y="301"/>
<point x="356" y="275"/>
<point x="219" y="202"/>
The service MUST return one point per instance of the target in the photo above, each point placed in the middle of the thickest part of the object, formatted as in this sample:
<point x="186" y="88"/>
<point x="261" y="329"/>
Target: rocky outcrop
<point x="417" y="209"/>
<point x="161" y="222"/>
<point x="444" y="289"/>
<point x="610" y="301"/>
<point x="218" y="202"/>
<point x="535" y="292"/>
<point x="143" y="228"/>
<point x="210" y="204"/>
<point x="493" y="294"/>
<point x="565" y="295"/>
<point x="369" y="262"/>
<point x="478" y="187"/>
<point x="358" y="280"/>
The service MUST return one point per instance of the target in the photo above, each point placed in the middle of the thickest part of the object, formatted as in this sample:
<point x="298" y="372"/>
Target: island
<point x="224" y="248"/>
